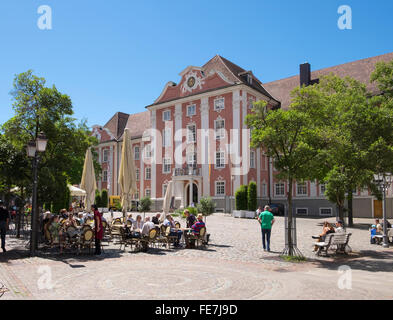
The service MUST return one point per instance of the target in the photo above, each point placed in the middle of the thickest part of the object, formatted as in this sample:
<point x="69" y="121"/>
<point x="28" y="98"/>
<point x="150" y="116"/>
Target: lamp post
<point x="33" y="148"/>
<point x="383" y="181"/>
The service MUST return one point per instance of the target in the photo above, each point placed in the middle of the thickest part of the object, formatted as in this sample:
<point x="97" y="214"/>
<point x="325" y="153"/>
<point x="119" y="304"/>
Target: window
<point x="148" y="173"/>
<point x="137" y="174"/>
<point x="322" y="188"/>
<point x="191" y="158"/>
<point x="106" y="156"/>
<point x="166" y="137"/>
<point x="166" y="115"/>
<point x="166" y="165"/>
<point x="301" y="189"/>
<point x="136" y="153"/>
<point x="301" y="211"/>
<point x="279" y="189"/>
<point x="148" y="151"/>
<point x="191" y="133"/>
<point x="147" y="193"/>
<point x="191" y="110"/>
<point x="252" y="159"/>
<point x="251" y="103"/>
<point x="105" y="176"/>
<point x="164" y="188"/>
<point x="220" y="159"/>
<point x="219" y="127"/>
<point x="220" y="188"/>
<point x="136" y="195"/>
<point x="325" y="211"/>
<point x="264" y="193"/>
<point x="219" y="104"/>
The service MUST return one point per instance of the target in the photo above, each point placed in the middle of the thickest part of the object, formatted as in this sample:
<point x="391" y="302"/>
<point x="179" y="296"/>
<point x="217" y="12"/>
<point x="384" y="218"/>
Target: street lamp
<point x="383" y="181"/>
<point x="33" y="148"/>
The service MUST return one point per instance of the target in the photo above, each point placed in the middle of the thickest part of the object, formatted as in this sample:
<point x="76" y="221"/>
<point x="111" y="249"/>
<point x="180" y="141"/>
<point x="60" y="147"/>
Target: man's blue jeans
<point x="266" y="238"/>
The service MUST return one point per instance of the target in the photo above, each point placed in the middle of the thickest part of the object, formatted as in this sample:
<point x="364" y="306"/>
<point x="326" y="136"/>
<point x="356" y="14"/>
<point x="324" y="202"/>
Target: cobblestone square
<point x="233" y="266"/>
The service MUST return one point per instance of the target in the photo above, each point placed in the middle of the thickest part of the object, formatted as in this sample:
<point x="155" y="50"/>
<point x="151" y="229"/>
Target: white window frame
<point x="137" y="174"/>
<point x="165" y="163"/>
<point x="147" y="152"/>
<point x="189" y="132"/>
<point x="219" y="104"/>
<point x="193" y="162"/>
<point x="146" y="193"/>
<point x="264" y="189"/>
<point x="165" y="113"/>
<point x="275" y="189"/>
<point x="298" y="185"/>
<point x="137" y="153"/>
<point x="297" y="209"/>
<point x="322" y="193"/>
<point x="105" y="176"/>
<point x="252" y="159"/>
<point x="222" y="185"/>
<point x="136" y="195"/>
<point x="105" y="155"/>
<point x="188" y="110"/>
<point x="222" y="160"/>
<point x="148" y="177"/>
<point x="219" y="132"/>
<point x="166" y="137"/>
<point x="326" y="215"/>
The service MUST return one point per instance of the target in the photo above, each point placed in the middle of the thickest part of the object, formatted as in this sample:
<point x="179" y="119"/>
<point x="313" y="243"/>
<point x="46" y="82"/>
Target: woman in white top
<point x="138" y="223"/>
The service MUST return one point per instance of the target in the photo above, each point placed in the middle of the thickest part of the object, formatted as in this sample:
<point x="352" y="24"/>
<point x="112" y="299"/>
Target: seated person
<point x="129" y="218"/>
<point x="81" y="219"/>
<point x="63" y="213"/>
<point x="156" y="218"/>
<point x="326" y="229"/>
<point x="197" y="226"/>
<point x="378" y="226"/>
<point x="136" y="228"/>
<point x="147" y="226"/>
<point x="373" y="233"/>
<point x="169" y="222"/>
<point x="340" y="227"/>
<point x="55" y="229"/>
<point x="190" y="218"/>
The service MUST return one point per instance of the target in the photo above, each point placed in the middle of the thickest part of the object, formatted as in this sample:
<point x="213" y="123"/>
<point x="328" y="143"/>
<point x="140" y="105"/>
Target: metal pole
<point x="385" y="225"/>
<point x="34" y="214"/>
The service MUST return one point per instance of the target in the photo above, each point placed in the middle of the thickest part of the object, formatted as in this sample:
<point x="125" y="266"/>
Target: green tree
<point x="145" y="204"/>
<point x="289" y="137"/>
<point x="241" y="198"/>
<point x="252" y="196"/>
<point x="98" y="200"/>
<point x="104" y="198"/>
<point x="206" y="206"/>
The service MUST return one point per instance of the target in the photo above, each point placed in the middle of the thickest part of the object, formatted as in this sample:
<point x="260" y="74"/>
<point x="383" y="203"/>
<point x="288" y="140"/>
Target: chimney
<point x="305" y="74"/>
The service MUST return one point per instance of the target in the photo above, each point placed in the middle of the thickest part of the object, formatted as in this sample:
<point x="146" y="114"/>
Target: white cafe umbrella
<point x="88" y="183"/>
<point x="127" y="175"/>
<point x="76" y="192"/>
<point x="167" y="201"/>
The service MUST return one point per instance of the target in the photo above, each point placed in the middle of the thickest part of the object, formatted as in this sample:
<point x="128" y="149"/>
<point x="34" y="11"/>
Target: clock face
<point x="191" y="82"/>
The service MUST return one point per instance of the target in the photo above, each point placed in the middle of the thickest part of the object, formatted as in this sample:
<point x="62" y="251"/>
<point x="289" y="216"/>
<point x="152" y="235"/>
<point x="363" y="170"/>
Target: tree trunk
<point x="290" y="218"/>
<point x="350" y="207"/>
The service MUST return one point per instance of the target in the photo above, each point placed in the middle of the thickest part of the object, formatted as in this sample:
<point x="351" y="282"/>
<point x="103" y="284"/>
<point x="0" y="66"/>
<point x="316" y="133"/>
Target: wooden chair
<point x="86" y="239"/>
<point x="177" y="224"/>
<point x="197" y="238"/>
<point x="149" y="239"/>
<point x="162" y="237"/>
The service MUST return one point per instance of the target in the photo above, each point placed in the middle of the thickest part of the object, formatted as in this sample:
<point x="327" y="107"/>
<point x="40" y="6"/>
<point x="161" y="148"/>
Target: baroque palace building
<point x="194" y="134"/>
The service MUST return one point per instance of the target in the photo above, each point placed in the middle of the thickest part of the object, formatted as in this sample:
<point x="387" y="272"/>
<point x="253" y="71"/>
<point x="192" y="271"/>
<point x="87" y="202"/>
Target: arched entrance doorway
<point x="194" y="194"/>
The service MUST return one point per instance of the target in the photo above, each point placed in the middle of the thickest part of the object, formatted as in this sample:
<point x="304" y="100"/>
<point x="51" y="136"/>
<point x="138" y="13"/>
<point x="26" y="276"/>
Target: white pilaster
<point x="155" y="153"/>
<point x="178" y="154"/>
<point x="236" y="126"/>
<point x="243" y="125"/>
<point x="259" y="189"/>
<point x="205" y="145"/>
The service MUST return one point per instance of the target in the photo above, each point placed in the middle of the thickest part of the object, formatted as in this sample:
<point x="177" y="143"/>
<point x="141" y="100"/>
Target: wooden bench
<point x="339" y="240"/>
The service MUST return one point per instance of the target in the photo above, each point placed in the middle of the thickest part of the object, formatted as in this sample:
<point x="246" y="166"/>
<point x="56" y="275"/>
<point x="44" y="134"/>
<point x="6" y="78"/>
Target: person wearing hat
<point x="4" y="221"/>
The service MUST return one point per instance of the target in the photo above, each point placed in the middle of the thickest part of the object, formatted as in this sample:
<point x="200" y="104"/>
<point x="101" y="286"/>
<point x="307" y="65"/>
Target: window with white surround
<point x="137" y="174"/>
<point x="191" y="158"/>
<point x="191" y="110"/>
<point x="219" y="104"/>
<point x="166" y="115"/>
<point x="166" y="137"/>
<point x="325" y="211"/>
<point x="301" y="211"/>
<point x="148" y="173"/>
<point x="301" y="188"/>
<point x="166" y="165"/>
<point x="147" y="151"/>
<point x="322" y="188"/>
<point x="252" y="159"/>
<point x="147" y="193"/>
<point x="264" y="193"/>
<point x="105" y="157"/>
<point x="219" y="128"/>
<point x="191" y="133"/>
<point x="136" y="153"/>
<point x="136" y="195"/>
<point x="279" y="189"/>
<point x="105" y="176"/>
<point x="220" y="159"/>
<point x="220" y="188"/>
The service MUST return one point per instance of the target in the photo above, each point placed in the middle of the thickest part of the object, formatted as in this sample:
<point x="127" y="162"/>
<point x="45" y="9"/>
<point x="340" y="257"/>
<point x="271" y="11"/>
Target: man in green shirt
<point x="266" y="219"/>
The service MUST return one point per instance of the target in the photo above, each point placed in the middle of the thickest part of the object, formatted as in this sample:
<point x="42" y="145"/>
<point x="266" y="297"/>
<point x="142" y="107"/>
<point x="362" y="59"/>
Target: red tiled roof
<point x="117" y="124"/>
<point x="360" y="70"/>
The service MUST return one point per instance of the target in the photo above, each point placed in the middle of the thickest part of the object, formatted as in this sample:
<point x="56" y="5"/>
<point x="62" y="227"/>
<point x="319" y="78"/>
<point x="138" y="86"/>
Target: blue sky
<point x="117" y="55"/>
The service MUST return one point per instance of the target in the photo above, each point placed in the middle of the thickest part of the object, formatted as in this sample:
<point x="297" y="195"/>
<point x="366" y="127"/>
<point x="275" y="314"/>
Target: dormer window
<point x="249" y="78"/>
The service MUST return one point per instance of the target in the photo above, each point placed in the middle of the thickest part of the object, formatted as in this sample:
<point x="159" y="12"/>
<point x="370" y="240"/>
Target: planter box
<point x="236" y="213"/>
<point x="249" y="214"/>
<point x="243" y="214"/>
